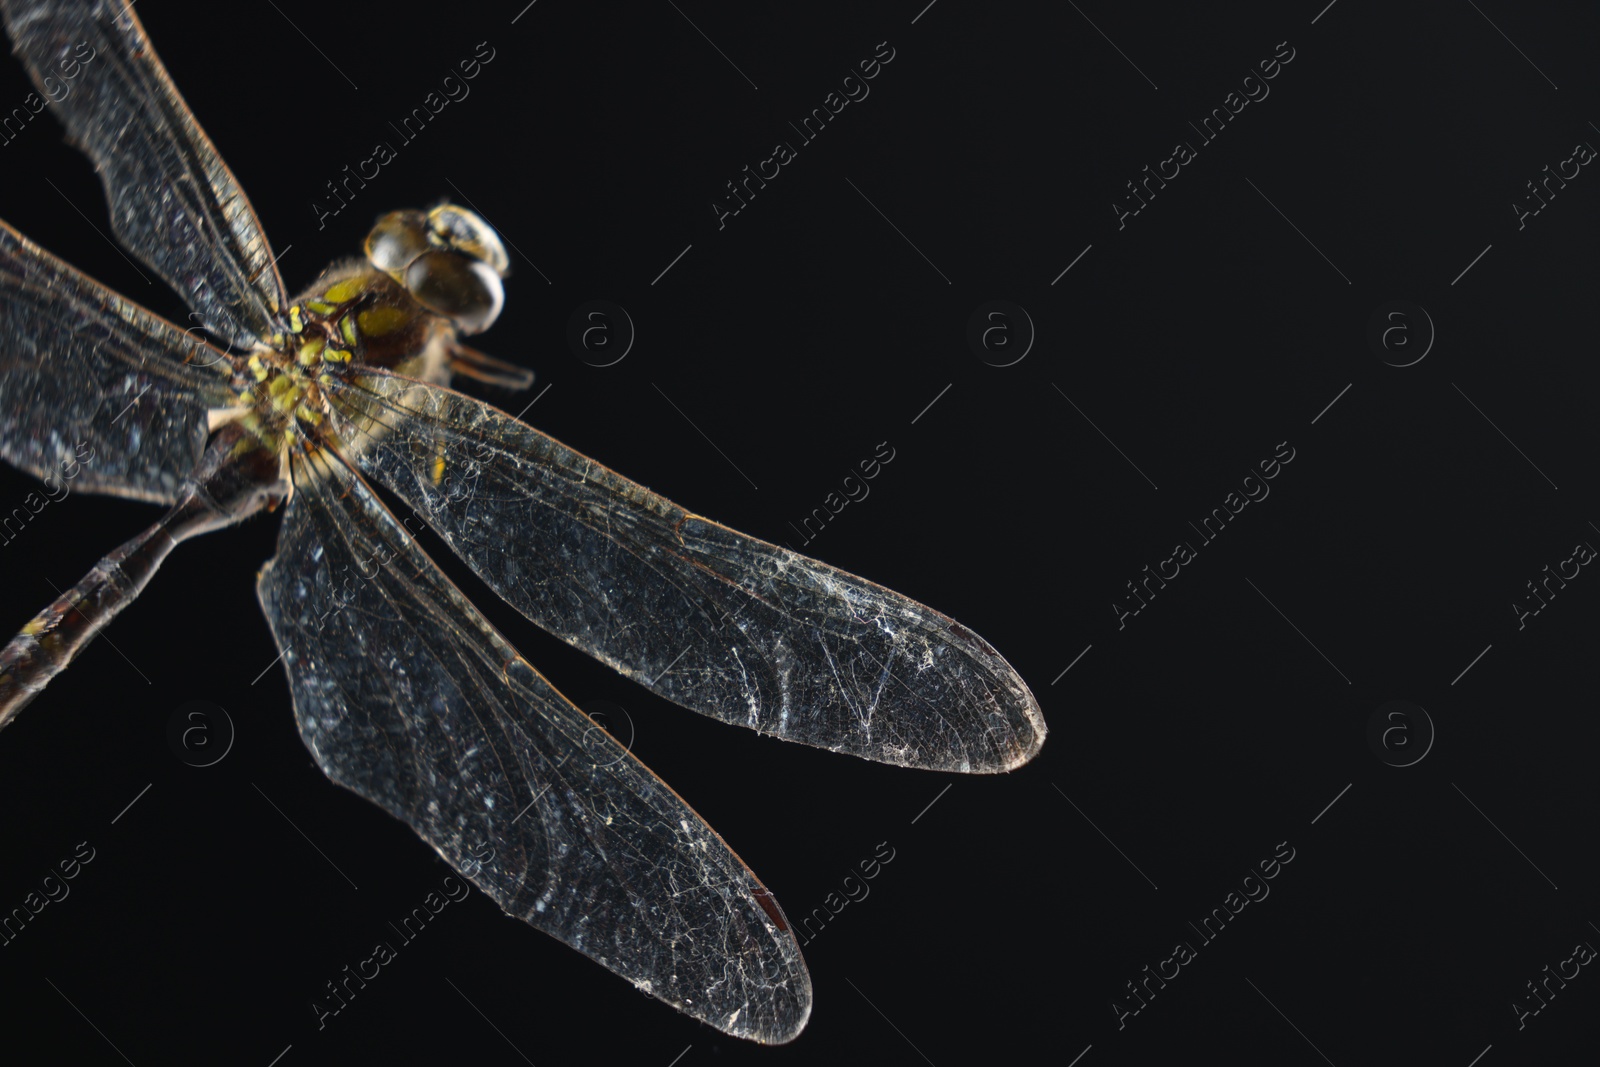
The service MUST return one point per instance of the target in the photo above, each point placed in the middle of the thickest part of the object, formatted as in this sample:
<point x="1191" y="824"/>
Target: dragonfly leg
<point x="486" y="368"/>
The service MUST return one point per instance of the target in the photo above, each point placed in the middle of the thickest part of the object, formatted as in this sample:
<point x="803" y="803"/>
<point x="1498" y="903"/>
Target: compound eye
<point x="397" y="239"/>
<point x="466" y="291"/>
<point x="464" y="231"/>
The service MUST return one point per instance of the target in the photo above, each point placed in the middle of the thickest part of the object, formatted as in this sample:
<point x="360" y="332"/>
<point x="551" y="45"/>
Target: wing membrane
<point x="174" y="203"/>
<point x="94" y="388"/>
<point x="720" y="622"/>
<point x="405" y="694"/>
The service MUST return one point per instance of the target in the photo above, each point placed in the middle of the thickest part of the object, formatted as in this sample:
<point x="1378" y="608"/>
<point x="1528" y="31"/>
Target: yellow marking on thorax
<point x="375" y="322"/>
<point x="339" y="292"/>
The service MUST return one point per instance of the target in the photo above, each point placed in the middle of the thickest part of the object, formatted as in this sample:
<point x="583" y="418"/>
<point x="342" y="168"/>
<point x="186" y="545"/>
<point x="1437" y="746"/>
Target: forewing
<point x="174" y="203"/>
<point x="95" y="392"/>
<point x="720" y="622"/>
<point x="405" y="694"/>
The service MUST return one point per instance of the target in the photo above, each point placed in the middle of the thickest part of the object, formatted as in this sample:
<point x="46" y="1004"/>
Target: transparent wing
<point x="720" y="622"/>
<point x="95" y="392"/>
<point x="174" y="203"/>
<point x="405" y="694"/>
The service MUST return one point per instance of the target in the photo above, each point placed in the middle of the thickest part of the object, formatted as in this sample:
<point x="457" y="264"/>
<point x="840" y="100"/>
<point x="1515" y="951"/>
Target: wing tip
<point x="788" y="1030"/>
<point x="1006" y="687"/>
<point x="779" y="1021"/>
<point x="1027" y="740"/>
<point x="997" y="751"/>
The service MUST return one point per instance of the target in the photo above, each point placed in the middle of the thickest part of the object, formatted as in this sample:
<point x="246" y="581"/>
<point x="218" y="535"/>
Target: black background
<point x="1219" y="722"/>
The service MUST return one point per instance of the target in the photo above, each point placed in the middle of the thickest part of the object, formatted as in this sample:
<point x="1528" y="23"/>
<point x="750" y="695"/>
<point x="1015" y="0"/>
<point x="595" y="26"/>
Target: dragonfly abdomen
<point x="52" y="638"/>
<point x="236" y="478"/>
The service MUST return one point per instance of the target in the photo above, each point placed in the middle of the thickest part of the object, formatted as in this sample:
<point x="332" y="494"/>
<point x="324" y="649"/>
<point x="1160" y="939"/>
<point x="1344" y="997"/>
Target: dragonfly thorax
<point x="353" y="318"/>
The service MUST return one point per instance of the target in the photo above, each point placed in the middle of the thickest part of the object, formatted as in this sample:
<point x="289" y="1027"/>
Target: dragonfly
<point x="402" y="690"/>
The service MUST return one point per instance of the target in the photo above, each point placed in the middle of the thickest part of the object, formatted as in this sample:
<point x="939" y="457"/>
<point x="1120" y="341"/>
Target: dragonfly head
<point x="449" y="259"/>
